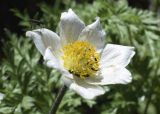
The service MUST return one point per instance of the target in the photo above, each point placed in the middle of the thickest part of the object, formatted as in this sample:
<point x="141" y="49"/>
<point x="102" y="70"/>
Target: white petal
<point x="115" y="75"/>
<point x="70" y="26"/>
<point x="95" y="80"/>
<point x="116" y="55"/>
<point x="44" y="38"/>
<point x="94" y="34"/>
<point x="87" y="91"/>
<point x="51" y="60"/>
<point x="67" y="74"/>
<point x="67" y="79"/>
<point x="1" y="96"/>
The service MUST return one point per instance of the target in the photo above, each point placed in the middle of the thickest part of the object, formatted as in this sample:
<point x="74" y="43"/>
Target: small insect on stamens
<point x="94" y="69"/>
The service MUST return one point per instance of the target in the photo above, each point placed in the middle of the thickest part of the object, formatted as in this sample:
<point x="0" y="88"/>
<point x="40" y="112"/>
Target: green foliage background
<point x="30" y="87"/>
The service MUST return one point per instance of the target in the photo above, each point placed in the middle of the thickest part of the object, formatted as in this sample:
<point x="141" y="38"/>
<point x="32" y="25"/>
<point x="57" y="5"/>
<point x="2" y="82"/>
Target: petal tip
<point x="70" y="10"/>
<point x="98" y="19"/>
<point x="29" y="33"/>
<point x="133" y="53"/>
<point x="67" y="13"/>
<point x="128" y="79"/>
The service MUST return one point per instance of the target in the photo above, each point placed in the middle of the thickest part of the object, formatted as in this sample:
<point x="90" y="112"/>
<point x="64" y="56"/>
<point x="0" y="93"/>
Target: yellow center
<point x="81" y="59"/>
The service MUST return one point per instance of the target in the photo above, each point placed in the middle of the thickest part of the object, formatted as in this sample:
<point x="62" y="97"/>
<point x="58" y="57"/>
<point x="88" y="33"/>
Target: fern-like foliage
<point x="30" y="87"/>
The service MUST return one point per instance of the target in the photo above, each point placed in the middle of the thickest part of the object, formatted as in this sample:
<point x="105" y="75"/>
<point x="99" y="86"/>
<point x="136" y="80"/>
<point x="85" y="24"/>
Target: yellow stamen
<point x="81" y="59"/>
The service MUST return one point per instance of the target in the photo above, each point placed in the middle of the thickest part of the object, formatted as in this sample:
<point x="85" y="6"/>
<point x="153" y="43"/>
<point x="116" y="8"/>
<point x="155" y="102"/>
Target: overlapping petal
<point x="115" y="75"/>
<point x="51" y="60"/>
<point x="70" y="26"/>
<point x="54" y="62"/>
<point x="111" y="75"/>
<point x="87" y="91"/>
<point x="44" y="38"/>
<point x="116" y="55"/>
<point x="94" y="34"/>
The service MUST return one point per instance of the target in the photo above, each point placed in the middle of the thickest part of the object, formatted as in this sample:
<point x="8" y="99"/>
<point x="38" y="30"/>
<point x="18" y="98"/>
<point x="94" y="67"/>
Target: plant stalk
<point x="58" y="100"/>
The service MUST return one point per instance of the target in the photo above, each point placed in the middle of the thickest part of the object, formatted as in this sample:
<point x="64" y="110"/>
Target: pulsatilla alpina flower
<point x="81" y="55"/>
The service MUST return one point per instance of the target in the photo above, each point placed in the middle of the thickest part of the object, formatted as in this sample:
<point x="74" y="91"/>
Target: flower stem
<point x="58" y="100"/>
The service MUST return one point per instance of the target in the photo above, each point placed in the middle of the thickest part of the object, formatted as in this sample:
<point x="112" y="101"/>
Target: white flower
<point x="81" y="55"/>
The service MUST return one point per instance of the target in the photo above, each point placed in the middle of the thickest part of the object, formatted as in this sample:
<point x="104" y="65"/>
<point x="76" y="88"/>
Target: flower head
<point x="81" y="55"/>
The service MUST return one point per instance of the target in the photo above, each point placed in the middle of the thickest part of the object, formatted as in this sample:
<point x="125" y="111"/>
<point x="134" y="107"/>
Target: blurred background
<point x="29" y="87"/>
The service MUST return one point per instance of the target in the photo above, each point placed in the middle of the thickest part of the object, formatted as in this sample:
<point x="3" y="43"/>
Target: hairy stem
<point x="58" y="100"/>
